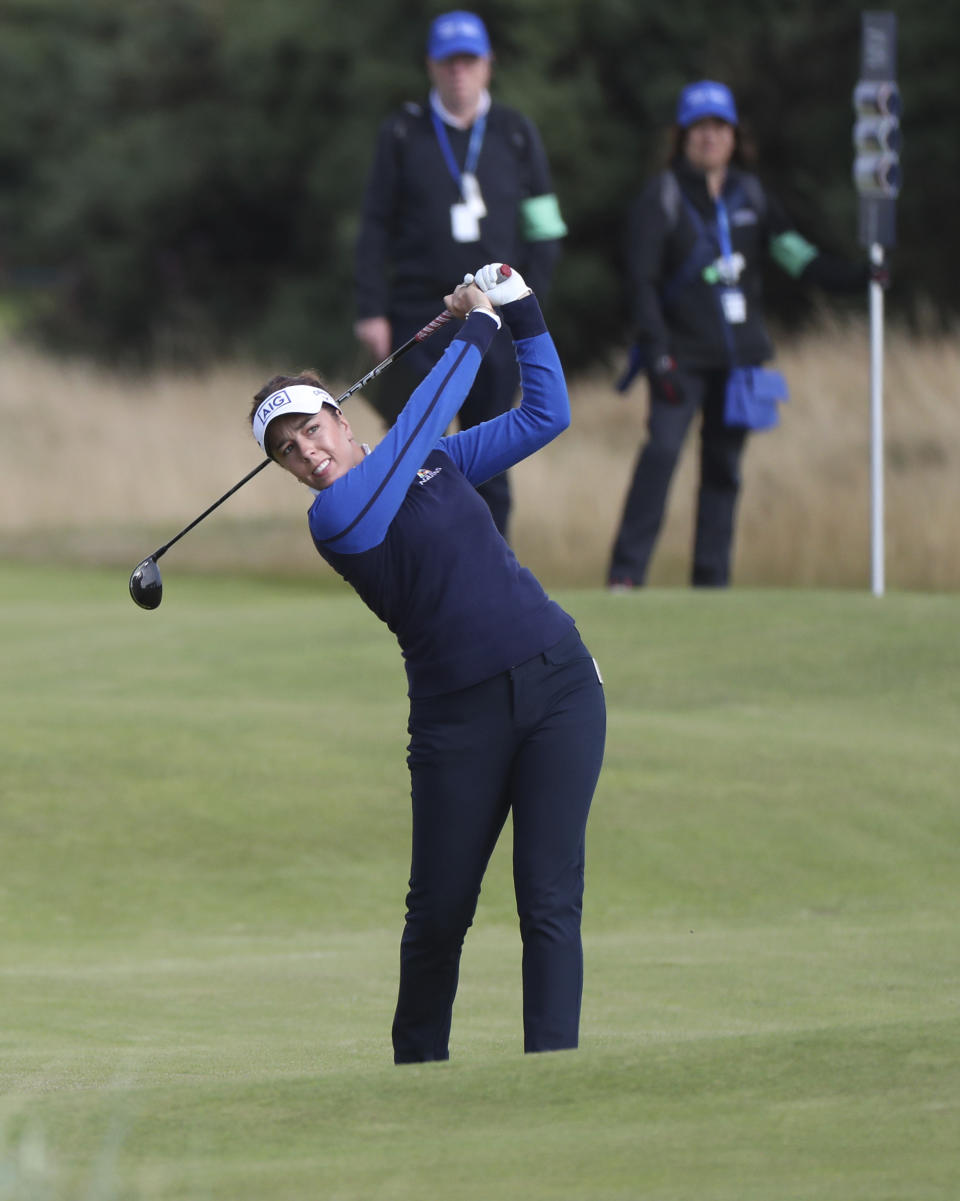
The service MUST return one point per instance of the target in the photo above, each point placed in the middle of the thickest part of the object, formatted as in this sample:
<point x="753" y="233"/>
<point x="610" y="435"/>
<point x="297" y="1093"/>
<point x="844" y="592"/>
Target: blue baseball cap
<point x="457" y="33"/>
<point x="706" y="99"/>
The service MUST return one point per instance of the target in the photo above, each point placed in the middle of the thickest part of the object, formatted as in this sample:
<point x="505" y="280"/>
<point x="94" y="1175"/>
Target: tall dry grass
<point x="98" y="468"/>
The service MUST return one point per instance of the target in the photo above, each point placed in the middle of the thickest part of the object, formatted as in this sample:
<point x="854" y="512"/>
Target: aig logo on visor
<point x="271" y="404"/>
<point x="279" y="400"/>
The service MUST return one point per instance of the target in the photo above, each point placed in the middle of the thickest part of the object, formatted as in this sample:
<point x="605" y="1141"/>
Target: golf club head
<point x="146" y="587"/>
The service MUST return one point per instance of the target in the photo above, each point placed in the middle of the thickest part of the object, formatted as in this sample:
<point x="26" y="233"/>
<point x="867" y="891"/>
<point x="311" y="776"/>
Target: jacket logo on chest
<point x="425" y="474"/>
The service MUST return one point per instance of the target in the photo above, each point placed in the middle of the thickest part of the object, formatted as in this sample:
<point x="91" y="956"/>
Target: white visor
<point x="299" y="398"/>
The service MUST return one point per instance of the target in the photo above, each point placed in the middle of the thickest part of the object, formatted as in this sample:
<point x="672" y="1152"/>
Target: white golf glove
<point x="500" y="283"/>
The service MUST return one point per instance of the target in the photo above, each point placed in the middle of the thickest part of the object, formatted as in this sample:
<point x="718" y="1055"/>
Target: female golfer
<point x="506" y="705"/>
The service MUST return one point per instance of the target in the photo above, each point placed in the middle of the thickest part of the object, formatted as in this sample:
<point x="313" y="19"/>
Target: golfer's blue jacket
<point x="407" y="529"/>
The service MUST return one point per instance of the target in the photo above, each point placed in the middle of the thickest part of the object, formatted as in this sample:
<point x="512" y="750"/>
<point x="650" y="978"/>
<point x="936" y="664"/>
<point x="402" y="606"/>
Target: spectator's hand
<point x="500" y="282"/>
<point x="880" y="274"/>
<point x="375" y="333"/>
<point x="665" y="382"/>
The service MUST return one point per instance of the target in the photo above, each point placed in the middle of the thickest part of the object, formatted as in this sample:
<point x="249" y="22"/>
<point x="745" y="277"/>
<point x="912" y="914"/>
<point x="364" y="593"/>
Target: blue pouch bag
<point x="636" y="362"/>
<point x="752" y="397"/>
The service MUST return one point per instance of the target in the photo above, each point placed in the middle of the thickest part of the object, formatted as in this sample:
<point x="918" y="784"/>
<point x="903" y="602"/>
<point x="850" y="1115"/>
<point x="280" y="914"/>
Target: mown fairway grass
<point x="203" y="856"/>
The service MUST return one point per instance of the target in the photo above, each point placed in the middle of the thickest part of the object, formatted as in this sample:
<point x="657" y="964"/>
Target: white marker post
<point x="876" y="173"/>
<point x="877" y="555"/>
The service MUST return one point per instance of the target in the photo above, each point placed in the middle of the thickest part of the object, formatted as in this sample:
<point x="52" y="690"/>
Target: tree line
<point x="181" y="179"/>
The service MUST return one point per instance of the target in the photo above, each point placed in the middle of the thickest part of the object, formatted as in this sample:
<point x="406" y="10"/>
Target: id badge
<point x="470" y="191"/>
<point x="464" y="223"/>
<point x="734" y="306"/>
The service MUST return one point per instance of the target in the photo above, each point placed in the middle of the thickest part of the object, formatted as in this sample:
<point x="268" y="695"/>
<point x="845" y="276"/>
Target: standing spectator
<point x="698" y="236"/>
<point x="455" y="181"/>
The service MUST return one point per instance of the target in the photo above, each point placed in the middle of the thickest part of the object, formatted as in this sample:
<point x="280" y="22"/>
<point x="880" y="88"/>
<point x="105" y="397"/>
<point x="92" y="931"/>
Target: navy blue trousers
<point x="721" y="448"/>
<point x="493" y="392"/>
<point x="529" y="741"/>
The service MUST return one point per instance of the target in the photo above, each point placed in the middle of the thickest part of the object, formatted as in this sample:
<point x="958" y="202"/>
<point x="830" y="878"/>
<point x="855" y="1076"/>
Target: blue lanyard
<point x="473" y="149"/>
<point x="726" y="249"/>
<point x="723" y="229"/>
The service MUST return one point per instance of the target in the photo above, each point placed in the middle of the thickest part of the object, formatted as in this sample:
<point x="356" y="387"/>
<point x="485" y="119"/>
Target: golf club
<point x="146" y="586"/>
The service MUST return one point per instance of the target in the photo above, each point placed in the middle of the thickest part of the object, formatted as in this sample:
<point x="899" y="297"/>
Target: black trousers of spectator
<point x="493" y="392"/>
<point x="528" y="742"/>
<point x="721" y="449"/>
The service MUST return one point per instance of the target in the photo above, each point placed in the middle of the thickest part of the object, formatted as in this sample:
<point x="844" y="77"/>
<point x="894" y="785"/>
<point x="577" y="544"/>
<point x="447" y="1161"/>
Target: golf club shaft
<point x="420" y="336"/>
<point x="206" y="512"/>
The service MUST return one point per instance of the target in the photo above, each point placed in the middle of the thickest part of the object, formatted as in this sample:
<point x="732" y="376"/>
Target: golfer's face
<point x="317" y="448"/>
<point x="709" y="144"/>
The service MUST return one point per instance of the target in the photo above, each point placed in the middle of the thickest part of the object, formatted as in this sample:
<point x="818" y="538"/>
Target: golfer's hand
<point x="501" y="283"/>
<point x="464" y="299"/>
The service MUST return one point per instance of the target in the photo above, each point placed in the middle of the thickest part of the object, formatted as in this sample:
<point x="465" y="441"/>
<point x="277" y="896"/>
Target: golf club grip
<point x="421" y="335"/>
